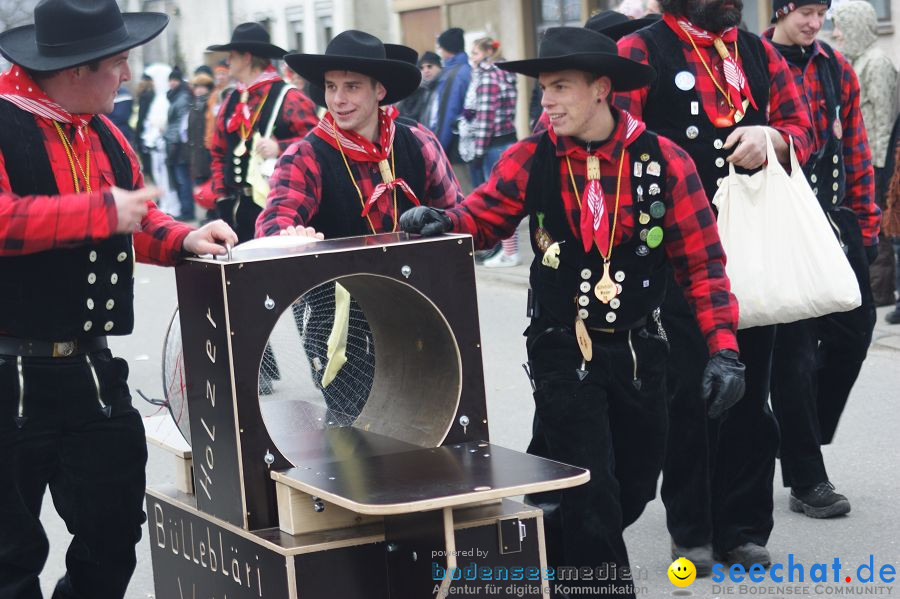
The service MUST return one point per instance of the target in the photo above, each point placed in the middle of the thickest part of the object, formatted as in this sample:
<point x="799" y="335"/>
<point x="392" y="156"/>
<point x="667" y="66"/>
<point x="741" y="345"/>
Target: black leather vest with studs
<point x="235" y="167"/>
<point x="66" y="293"/>
<point x="339" y="212"/>
<point x="825" y="168"/>
<point x="679" y="114"/>
<point x="567" y="292"/>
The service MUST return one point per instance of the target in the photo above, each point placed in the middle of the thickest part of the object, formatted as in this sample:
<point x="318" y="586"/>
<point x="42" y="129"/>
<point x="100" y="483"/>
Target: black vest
<point x="62" y="294"/>
<point x="339" y="211"/>
<point x="668" y="109"/>
<point x="825" y="168"/>
<point x="568" y="291"/>
<point x="235" y="169"/>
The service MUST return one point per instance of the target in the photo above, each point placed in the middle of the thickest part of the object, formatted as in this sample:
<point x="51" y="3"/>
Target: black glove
<point x="425" y="220"/>
<point x="871" y="253"/>
<point x="723" y="381"/>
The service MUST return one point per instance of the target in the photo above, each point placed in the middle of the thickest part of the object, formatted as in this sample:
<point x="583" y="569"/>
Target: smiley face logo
<point x="682" y="572"/>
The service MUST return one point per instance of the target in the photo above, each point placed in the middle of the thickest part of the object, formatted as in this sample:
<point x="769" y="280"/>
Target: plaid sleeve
<point x="295" y="189"/>
<point x="493" y="211"/>
<point x="695" y="252"/>
<point x="633" y="47"/>
<point x="160" y="239"/>
<point x="218" y="148"/>
<point x="787" y="115"/>
<point x="860" y="194"/>
<point x="299" y="113"/>
<point x="441" y="187"/>
<point x="487" y="94"/>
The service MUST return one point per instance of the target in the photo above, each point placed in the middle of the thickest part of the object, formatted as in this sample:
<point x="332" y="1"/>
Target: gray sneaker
<point x="701" y="556"/>
<point x="747" y="555"/>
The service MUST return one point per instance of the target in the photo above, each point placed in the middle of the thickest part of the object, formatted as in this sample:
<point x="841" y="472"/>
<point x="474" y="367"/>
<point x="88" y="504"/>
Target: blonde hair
<point x="489" y="46"/>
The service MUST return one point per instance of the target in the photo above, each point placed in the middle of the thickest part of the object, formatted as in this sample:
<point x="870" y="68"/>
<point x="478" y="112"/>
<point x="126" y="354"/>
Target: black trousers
<point x="92" y="463"/>
<point x="239" y="211"/>
<point x="717" y="476"/>
<point x="816" y="364"/>
<point x="613" y="423"/>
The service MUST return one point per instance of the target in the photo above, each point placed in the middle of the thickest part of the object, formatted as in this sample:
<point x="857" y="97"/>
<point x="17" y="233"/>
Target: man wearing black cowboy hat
<point x="719" y="93"/>
<point x="611" y="205"/>
<point x="248" y="110"/>
<point x="360" y="167"/>
<point x="75" y="217"/>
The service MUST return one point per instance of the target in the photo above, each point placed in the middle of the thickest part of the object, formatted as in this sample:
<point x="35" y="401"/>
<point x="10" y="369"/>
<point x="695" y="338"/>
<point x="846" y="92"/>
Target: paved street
<point x="863" y="461"/>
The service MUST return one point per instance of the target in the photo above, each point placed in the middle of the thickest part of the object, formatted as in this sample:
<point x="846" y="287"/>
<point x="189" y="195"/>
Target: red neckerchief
<point x="594" y="223"/>
<point x="735" y="80"/>
<point x="19" y="89"/>
<point x="360" y="149"/>
<point x="241" y="116"/>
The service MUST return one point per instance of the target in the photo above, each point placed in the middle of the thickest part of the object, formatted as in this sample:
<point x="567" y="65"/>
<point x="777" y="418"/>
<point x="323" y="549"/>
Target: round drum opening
<point x="365" y="351"/>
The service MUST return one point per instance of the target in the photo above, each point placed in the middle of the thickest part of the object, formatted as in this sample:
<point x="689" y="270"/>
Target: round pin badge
<point x="655" y="237"/>
<point x="684" y="80"/>
<point x="692" y="132"/>
<point x="657" y="209"/>
<point x="642" y="250"/>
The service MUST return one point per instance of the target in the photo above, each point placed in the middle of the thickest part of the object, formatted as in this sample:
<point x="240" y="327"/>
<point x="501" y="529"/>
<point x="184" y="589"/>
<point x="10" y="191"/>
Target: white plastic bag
<point x="784" y="261"/>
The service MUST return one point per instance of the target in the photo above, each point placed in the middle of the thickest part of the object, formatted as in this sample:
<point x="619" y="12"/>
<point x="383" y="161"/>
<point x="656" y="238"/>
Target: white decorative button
<point x="92" y="278"/>
<point x="121" y="257"/>
<point x="238" y="178"/>
<point x="237" y="170"/>
<point x="619" y="276"/>
<point x="610" y="317"/>
<point x="834" y="199"/>
<point x="88" y="325"/>
<point x="834" y="159"/>
<point x="109" y="304"/>
<point x="583" y="314"/>
<point x="585" y="287"/>
<point x="717" y="144"/>
<point x="90" y="304"/>
<point x="614" y="303"/>
<point x="108" y="326"/>
<point x="618" y="288"/>
<point x="92" y="256"/>
<point x="720" y="162"/>
<point x="816" y="190"/>
<point x="114" y="278"/>
<point x="586" y="274"/>
<point x="719" y="182"/>
<point x="834" y="186"/>
<point x="835" y="173"/>
<point x="583" y="300"/>
<point x="813" y="178"/>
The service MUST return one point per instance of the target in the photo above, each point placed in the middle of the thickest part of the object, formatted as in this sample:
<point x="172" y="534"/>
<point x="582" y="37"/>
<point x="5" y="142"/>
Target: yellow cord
<point x="612" y="233"/>
<point x="73" y="160"/>
<point x="709" y="71"/>
<point x="362" y="202"/>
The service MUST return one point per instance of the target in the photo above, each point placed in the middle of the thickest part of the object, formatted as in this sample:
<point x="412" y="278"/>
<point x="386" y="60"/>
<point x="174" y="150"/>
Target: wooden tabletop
<point x="427" y="479"/>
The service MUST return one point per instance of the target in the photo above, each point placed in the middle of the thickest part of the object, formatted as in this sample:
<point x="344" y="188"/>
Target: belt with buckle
<point x="33" y="348"/>
<point x="624" y="329"/>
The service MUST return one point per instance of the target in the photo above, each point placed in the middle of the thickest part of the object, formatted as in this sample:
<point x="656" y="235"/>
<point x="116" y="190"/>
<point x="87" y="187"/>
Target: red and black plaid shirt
<point x="296" y="186"/>
<point x="297" y="112"/>
<point x="860" y="183"/>
<point x="36" y="223"/>
<point x="786" y="113"/>
<point x="493" y="211"/>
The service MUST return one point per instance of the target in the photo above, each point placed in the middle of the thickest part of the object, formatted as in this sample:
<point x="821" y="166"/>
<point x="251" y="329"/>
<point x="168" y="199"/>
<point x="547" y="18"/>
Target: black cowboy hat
<point x="252" y="38"/>
<point x="392" y="65"/>
<point x="69" y="33"/>
<point x="616" y="25"/>
<point x="564" y="48"/>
